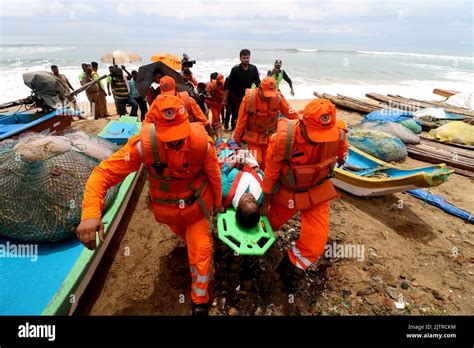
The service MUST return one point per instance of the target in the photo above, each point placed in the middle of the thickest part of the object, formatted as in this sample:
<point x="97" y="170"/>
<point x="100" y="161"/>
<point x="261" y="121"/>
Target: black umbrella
<point x="47" y="87"/>
<point x="145" y="77"/>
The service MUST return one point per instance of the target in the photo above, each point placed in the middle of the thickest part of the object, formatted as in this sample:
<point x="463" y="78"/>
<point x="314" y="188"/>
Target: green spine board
<point x="245" y="237"/>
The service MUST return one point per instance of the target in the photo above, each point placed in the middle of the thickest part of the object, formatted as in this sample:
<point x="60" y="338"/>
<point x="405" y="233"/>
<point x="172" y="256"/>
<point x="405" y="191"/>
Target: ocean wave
<point x="309" y="50"/>
<point x="418" y="55"/>
<point x="15" y="50"/>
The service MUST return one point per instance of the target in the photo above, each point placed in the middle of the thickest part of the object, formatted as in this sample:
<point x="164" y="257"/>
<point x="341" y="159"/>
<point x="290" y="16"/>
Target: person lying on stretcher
<point x="241" y="182"/>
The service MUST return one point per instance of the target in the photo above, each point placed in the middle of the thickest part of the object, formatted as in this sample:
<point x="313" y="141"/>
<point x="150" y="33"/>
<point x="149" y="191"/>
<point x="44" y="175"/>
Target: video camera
<point x="188" y="63"/>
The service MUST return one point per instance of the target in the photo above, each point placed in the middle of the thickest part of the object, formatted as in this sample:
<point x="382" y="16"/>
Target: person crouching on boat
<point x="185" y="183"/>
<point x="258" y="117"/>
<point x="299" y="163"/>
<point x="241" y="183"/>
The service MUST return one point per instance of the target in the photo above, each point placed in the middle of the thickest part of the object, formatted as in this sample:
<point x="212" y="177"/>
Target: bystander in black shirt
<point x="240" y="79"/>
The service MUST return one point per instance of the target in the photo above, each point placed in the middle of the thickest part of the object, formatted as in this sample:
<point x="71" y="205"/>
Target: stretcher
<point x="253" y="241"/>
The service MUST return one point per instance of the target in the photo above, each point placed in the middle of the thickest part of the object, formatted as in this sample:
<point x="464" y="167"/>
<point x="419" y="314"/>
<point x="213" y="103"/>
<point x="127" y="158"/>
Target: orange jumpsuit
<point x="259" y="150"/>
<point x="115" y="169"/>
<point x="314" y="221"/>
<point x="215" y="102"/>
<point x="193" y="109"/>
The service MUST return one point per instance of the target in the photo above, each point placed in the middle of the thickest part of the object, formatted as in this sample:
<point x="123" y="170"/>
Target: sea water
<point x="351" y="73"/>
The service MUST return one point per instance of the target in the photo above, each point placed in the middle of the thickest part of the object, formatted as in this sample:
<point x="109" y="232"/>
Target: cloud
<point x="291" y="10"/>
<point x="33" y="8"/>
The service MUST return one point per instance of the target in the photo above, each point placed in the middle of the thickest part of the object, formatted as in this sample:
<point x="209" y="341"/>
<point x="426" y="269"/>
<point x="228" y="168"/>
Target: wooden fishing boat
<point x="52" y="283"/>
<point x="15" y="123"/>
<point x="364" y="175"/>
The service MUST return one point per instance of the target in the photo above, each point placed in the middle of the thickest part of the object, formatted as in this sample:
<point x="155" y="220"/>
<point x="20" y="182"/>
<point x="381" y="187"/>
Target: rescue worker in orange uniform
<point x="299" y="164"/>
<point x="195" y="114"/>
<point x="214" y="101"/>
<point x="258" y="117"/>
<point x="185" y="183"/>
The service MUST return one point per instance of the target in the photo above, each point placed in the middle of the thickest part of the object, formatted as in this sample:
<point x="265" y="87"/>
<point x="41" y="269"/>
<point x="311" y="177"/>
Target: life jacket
<point x="303" y="186"/>
<point x="216" y="95"/>
<point x="179" y="189"/>
<point x="278" y="78"/>
<point x="261" y="124"/>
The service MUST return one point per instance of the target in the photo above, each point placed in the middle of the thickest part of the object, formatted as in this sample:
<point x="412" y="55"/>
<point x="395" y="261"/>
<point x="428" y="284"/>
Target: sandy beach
<point x="408" y="255"/>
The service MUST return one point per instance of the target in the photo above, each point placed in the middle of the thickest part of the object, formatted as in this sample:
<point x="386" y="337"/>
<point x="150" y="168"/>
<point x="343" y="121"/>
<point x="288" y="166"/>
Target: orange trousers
<point x="216" y="114"/>
<point x="313" y="235"/>
<point x="259" y="152"/>
<point x="199" y="242"/>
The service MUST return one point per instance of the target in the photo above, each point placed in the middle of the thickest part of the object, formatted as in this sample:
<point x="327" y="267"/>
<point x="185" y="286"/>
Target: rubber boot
<point x="289" y="274"/>
<point x="200" y="310"/>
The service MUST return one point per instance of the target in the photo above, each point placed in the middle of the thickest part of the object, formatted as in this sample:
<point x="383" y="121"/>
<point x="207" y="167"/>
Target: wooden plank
<point x="410" y="104"/>
<point x="435" y="155"/>
<point x="349" y="103"/>
<point x="444" y="92"/>
<point x="461" y="146"/>
<point x="433" y="103"/>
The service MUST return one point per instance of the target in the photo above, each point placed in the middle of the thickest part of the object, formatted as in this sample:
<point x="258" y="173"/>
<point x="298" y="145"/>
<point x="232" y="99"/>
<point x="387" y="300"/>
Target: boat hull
<point x="14" y="124"/>
<point x="392" y="179"/>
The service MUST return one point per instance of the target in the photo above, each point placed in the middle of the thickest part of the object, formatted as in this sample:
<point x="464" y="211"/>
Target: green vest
<point x="96" y="76"/>
<point x="278" y="78"/>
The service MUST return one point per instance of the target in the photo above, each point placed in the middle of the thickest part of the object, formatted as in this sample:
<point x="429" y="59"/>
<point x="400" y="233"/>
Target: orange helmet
<point x="319" y="117"/>
<point x="170" y="118"/>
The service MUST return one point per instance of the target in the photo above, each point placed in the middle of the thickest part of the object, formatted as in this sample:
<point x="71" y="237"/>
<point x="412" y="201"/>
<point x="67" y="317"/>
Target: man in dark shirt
<point x="241" y="77"/>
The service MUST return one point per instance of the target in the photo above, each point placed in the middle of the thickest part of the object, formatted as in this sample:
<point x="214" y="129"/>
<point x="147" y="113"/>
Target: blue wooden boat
<point x="364" y="175"/>
<point x="52" y="282"/>
<point x="14" y="123"/>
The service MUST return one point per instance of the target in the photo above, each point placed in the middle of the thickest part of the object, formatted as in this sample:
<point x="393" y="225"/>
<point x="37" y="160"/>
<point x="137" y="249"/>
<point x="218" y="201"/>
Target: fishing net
<point x="412" y="125"/>
<point x="42" y="181"/>
<point x="455" y="132"/>
<point x="378" y="144"/>
<point x="393" y="128"/>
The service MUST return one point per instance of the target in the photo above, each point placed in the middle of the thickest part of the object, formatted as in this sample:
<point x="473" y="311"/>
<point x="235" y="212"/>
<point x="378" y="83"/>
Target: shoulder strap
<point x="154" y="145"/>
<point x="149" y="144"/>
<point x="252" y="105"/>
<point x="285" y="138"/>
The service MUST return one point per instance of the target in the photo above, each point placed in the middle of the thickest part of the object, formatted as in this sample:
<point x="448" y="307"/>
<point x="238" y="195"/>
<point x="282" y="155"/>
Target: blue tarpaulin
<point x="439" y="201"/>
<point x="388" y="115"/>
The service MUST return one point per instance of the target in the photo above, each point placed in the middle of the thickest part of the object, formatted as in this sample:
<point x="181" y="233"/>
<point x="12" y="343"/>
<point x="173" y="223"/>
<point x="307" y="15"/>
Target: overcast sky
<point x="443" y="27"/>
